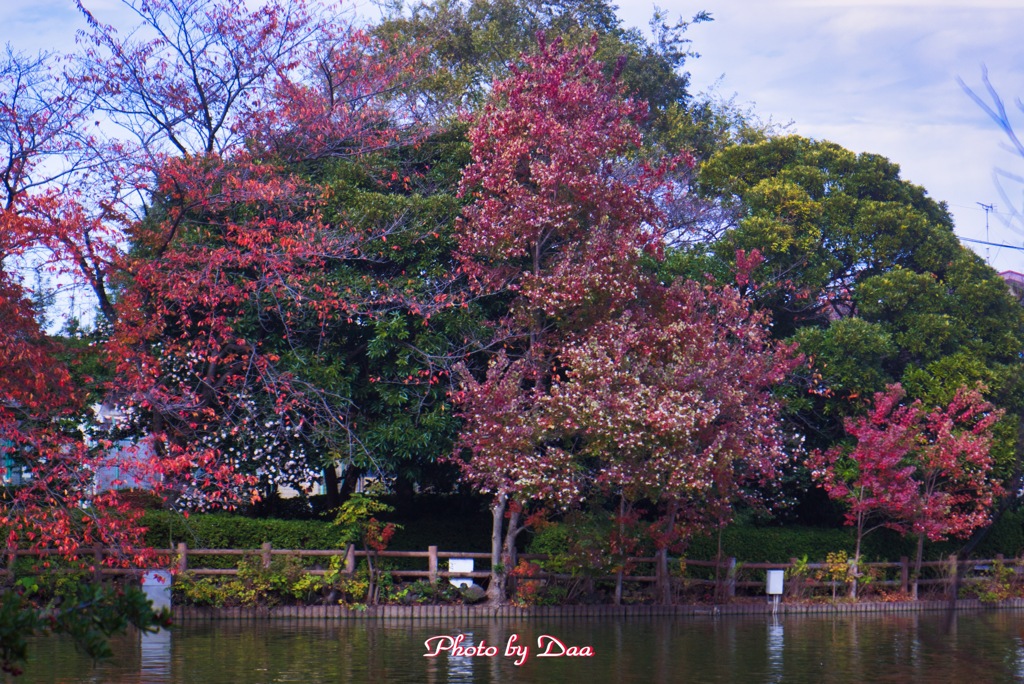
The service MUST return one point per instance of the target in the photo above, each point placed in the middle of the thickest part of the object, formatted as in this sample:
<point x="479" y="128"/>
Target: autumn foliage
<point x="605" y="382"/>
<point x="293" y="269"/>
<point x="924" y="473"/>
<point x="190" y="216"/>
<point x="41" y="404"/>
<point x="235" y="263"/>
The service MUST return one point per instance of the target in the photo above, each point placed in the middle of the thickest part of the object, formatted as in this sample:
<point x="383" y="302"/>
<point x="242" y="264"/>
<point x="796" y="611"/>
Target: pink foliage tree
<point x="922" y="473"/>
<point x="212" y="106"/>
<point x="552" y="223"/>
<point x="607" y="380"/>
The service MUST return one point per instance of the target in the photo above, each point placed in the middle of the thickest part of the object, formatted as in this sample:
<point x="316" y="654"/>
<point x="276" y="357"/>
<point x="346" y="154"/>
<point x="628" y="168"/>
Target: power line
<point x="995" y="210"/>
<point x="993" y="244"/>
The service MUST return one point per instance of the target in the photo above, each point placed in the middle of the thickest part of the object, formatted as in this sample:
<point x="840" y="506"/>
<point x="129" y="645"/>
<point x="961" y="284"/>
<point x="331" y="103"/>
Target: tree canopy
<point x="497" y="239"/>
<point x="864" y="271"/>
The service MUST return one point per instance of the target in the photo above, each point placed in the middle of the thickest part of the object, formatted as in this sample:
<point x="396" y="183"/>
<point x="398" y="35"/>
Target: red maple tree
<point x="922" y="473"/>
<point x="217" y="105"/>
<point x="225" y="108"/>
<point x="44" y="227"/>
<point x="604" y="378"/>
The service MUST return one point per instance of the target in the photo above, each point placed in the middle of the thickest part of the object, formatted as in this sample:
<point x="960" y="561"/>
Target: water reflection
<point x="775" y="643"/>
<point x="155" y="665"/>
<point x="975" y="647"/>
<point x="460" y="668"/>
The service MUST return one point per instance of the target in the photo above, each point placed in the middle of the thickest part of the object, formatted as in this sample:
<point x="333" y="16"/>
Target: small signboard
<point x="460" y="565"/>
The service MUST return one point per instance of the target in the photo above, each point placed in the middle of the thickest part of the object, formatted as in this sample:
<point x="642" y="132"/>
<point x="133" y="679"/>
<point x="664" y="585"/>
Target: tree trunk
<point x="719" y="589"/>
<point x="349" y="482"/>
<point x="371" y="573"/>
<point x="509" y="554"/>
<point x="333" y="500"/>
<point x="856" y="556"/>
<point x="496" y="586"/>
<point x="664" y="583"/>
<point x="917" y="564"/>
<point x="622" y="566"/>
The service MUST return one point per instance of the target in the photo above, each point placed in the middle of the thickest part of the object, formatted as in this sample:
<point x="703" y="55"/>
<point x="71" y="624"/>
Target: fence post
<point x="719" y="580"/>
<point x="432" y="563"/>
<point x="904" y="575"/>
<point x="661" y="577"/>
<point x="182" y="556"/>
<point x="730" y="579"/>
<point x="265" y="553"/>
<point x="97" y="560"/>
<point x="350" y="560"/>
<point x="954" y="582"/>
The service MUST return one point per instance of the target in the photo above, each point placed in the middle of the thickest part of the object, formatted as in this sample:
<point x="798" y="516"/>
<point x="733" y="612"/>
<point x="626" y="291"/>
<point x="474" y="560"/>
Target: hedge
<point x="223" y="531"/>
<point x="779" y="544"/>
<point x="472" y="533"/>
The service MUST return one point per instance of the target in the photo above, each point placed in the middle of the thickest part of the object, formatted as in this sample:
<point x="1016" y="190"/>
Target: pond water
<point x="929" y="647"/>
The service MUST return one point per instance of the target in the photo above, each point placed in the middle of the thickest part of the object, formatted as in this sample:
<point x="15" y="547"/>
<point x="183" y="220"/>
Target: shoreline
<point x="423" y="612"/>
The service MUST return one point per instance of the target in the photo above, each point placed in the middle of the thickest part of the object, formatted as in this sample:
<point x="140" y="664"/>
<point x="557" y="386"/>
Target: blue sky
<point x="875" y="75"/>
<point x="879" y="76"/>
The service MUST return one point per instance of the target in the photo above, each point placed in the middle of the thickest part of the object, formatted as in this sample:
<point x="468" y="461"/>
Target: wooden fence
<point x="727" y="578"/>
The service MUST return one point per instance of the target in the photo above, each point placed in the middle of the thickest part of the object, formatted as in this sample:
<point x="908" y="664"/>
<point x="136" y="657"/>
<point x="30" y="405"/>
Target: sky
<point x="874" y="76"/>
<point x="879" y="76"/>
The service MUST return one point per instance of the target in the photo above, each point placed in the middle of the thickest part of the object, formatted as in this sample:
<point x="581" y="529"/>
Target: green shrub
<point x="223" y="531"/>
<point x="778" y="544"/>
<point x="472" y="533"/>
<point x="580" y="545"/>
<point x="1006" y="536"/>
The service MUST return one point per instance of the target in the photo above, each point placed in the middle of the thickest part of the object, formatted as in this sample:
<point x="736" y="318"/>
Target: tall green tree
<point x="863" y="270"/>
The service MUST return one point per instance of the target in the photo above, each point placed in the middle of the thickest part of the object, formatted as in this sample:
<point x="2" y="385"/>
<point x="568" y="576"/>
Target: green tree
<point x="863" y="270"/>
<point x="392" y="364"/>
<point x="466" y="45"/>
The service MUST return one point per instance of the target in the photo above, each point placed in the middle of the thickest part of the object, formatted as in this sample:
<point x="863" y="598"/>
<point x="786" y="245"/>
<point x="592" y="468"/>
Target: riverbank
<point x="202" y="613"/>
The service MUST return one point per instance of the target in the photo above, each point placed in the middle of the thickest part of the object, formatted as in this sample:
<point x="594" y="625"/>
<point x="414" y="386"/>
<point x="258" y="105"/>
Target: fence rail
<point x="726" y="576"/>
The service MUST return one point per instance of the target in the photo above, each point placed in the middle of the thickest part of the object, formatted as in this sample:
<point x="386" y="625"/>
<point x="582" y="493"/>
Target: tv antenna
<point x="987" y="208"/>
